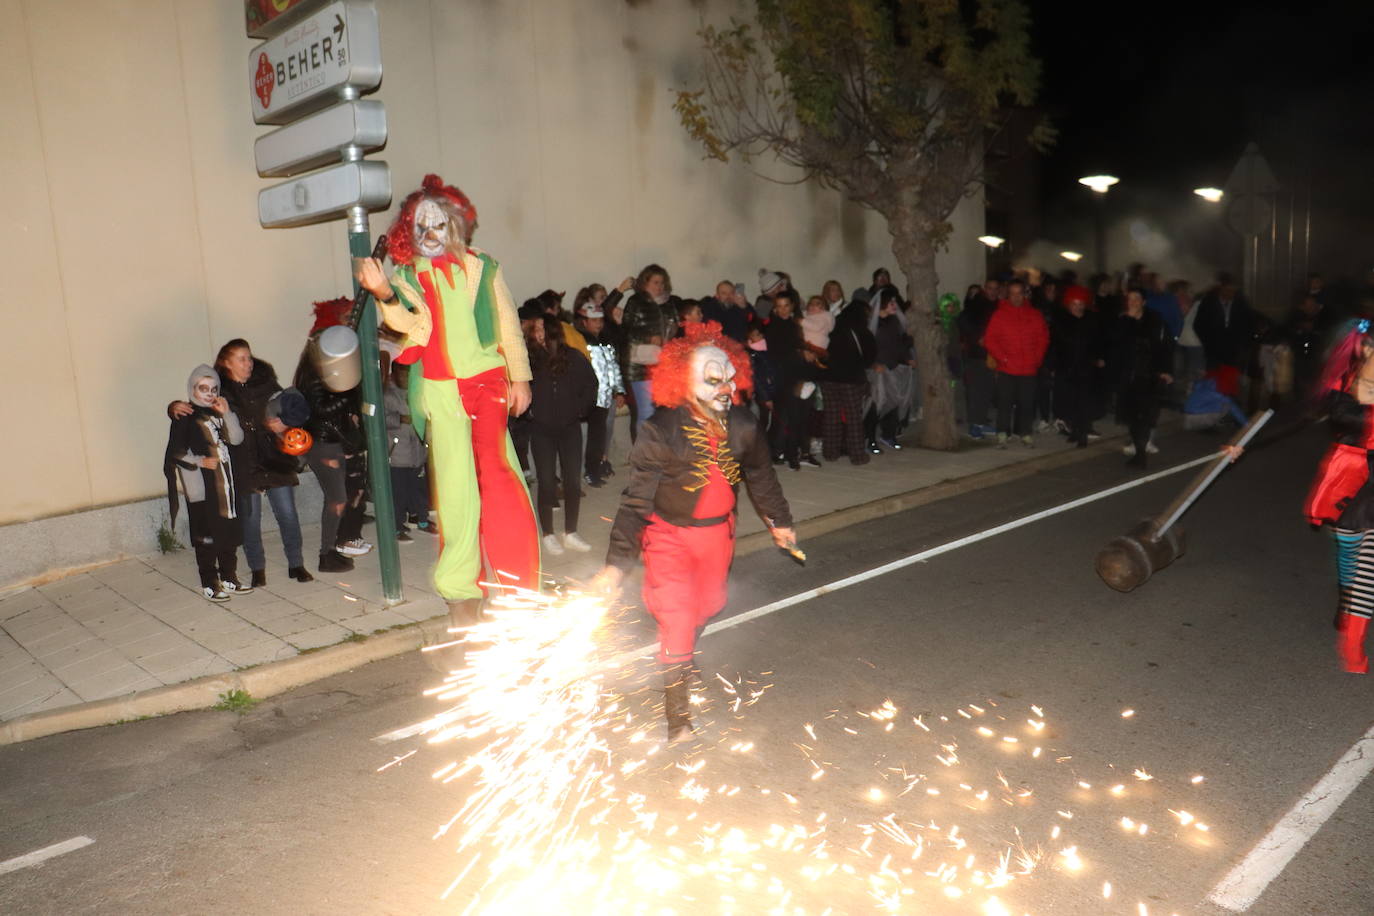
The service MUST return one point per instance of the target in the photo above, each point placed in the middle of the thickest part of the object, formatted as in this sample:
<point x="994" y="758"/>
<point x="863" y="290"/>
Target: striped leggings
<point x="1355" y="571"/>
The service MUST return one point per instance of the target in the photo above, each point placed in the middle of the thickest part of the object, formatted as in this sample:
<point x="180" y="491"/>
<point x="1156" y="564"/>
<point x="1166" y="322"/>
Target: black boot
<point x="260" y="578"/>
<point x="300" y="574"/>
<point x="677" y="701"/>
<point x="335" y="562"/>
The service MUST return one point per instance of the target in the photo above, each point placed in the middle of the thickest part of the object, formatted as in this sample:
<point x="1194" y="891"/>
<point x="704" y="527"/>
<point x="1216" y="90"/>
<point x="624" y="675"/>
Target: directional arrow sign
<point x="321" y="138"/>
<point x="325" y="194"/>
<point x="307" y="66"/>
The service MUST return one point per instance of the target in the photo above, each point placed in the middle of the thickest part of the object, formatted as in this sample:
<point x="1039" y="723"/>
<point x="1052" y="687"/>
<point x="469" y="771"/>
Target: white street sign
<point x="326" y="194"/>
<point x="321" y="138"/>
<point x="305" y="68"/>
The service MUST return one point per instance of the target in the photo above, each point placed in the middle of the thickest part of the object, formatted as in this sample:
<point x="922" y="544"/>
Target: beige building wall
<point x="130" y="235"/>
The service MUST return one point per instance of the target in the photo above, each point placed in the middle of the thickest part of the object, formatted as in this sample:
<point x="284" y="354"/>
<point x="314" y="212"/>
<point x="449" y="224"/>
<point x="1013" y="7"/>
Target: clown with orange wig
<point x="679" y="508"/>
<point x="463" y="335"/>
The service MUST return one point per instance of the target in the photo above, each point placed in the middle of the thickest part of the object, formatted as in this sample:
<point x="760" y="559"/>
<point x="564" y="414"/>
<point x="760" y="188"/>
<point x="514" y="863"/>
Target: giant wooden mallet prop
<point x="1129" y="560"/>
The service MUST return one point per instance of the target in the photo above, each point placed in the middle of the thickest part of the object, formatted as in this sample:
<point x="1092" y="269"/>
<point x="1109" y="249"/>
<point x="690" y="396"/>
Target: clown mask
<point x="436" y="233"/>
<point x="713" y="382"/>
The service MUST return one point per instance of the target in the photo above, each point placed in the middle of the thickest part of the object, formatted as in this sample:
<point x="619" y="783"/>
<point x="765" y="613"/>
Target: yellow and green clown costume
<point x="462" y="330"/>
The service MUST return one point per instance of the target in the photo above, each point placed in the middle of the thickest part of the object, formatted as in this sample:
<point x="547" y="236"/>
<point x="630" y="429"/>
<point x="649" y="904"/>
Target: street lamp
<point x="1100" y="184"/>
<point x="991" y="241"/>
<point x="1071" y="256"/>
<point x="1211" y="195"/>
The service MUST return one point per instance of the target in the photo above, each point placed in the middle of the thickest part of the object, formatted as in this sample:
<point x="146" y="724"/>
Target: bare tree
<point x="890" y="102"/>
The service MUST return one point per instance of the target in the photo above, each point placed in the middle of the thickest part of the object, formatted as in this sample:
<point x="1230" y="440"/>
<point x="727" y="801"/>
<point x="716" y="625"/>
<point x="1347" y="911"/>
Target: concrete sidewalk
<point x="136" y="638"/>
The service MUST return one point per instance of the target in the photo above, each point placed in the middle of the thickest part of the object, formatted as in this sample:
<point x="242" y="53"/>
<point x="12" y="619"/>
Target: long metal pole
<point x="374" y="420"/>
<point x="1100" y="205"/>
<point x="1174" y="511"/>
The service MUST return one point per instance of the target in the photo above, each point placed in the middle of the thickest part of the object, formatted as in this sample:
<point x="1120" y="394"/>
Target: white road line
<point x="401" y="733"/>
<point x="40" y="856"/>
<point x="1244" y="884"/>
<point x="625" y="658"/>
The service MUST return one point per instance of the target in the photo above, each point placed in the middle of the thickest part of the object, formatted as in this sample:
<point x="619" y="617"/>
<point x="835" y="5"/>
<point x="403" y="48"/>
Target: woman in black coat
<point x="1076" y="357"/>
<point x="844" y="383"/>
<point x="1140" y="359"/>
<point x="562" y="393"/>
<point x="248" y="385"/>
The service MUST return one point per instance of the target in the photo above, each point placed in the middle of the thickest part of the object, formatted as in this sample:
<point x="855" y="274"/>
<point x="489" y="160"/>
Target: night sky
<point x="1165" y="95"/>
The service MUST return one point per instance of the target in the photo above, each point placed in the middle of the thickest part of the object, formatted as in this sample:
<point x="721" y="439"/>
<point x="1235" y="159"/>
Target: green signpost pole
<point x="374" y="419"/>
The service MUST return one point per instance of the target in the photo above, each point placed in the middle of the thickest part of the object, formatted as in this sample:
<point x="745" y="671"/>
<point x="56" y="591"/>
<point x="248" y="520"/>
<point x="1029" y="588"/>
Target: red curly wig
<point x="672" y="376"/>
<point x="400" y="241"/>
<point x="331" y="312"/>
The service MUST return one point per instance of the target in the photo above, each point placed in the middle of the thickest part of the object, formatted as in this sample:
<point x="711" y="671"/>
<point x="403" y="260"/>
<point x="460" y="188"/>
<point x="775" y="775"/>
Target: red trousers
<point x="485" y="516"/>
<point x="685" y="571"/>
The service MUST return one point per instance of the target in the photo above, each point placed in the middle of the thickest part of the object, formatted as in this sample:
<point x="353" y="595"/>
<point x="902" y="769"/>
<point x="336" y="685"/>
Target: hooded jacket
<point x="201" y="434"/>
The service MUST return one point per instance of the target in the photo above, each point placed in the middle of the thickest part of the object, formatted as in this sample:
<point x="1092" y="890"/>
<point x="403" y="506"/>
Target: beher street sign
<point x="307" y="66"/>
<point x="321" y="138"/>
<point x="326" y="194"/>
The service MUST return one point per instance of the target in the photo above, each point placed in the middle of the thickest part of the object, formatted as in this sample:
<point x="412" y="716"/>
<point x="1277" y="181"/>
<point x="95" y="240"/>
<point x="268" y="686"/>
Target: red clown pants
<point x="685" y="571"/>
<point x="485" y="516"/>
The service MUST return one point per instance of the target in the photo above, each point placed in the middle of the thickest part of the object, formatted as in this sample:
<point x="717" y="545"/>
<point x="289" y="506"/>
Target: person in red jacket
<point x="1016" y="340"/>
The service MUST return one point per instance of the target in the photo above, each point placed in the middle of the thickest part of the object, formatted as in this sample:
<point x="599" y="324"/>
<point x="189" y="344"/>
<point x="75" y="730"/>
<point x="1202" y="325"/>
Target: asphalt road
<point x="1224" y="659"/>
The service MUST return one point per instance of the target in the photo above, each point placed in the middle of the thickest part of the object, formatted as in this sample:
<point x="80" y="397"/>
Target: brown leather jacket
<point x="665" y="478"/>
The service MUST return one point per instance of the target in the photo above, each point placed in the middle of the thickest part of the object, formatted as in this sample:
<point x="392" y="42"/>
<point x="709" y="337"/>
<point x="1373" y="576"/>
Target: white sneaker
<point x="1129" y="449"/>
<point x="552" y="546"/>
<point x="354" y="548"/>
<point x="573" y="541"/>
<point x="214" y="593"/>
<point x="1151" y="448"/>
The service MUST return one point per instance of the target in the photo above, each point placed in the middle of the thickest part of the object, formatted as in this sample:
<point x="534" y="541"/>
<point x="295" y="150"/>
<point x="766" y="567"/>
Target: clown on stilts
<point x="461" y="329"/>
<point x="1342" y="496"/>
<point x="679" y="509"/>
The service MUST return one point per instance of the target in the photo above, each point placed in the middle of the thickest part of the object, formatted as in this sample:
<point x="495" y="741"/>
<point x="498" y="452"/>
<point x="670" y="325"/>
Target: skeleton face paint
<point x="713" y="381"/>
<point x="435" y="233"/>
<point x="203" y="386"/>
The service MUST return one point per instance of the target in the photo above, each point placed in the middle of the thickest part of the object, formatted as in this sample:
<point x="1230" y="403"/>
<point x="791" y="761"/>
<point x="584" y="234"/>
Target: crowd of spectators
<point x="835" y="376"/>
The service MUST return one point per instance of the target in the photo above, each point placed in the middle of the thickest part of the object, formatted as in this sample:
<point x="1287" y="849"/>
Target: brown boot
<point x="677" y="702"/>
<point x="465" y="612"/>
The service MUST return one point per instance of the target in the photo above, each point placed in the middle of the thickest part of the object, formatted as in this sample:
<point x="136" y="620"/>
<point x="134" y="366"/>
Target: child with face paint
<point x="679" y="509"/>
<point x="197" y="457"/>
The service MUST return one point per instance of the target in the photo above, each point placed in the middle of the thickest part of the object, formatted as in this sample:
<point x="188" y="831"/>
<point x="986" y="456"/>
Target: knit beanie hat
<point x="768" y="280"/>
<point x="198" y="373"/>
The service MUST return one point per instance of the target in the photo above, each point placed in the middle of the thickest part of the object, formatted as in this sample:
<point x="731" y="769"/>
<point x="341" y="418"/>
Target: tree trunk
<point x="913" y="246"/>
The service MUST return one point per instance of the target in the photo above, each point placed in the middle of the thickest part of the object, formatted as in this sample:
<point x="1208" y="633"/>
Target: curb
<point x="273" y="678"/>
<point x="260" y="682"/>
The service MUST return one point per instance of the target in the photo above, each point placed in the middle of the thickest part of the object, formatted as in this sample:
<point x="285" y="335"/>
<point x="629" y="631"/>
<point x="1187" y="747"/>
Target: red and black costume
<point x="1342" y="495"/>
<point x="679" y="508"/>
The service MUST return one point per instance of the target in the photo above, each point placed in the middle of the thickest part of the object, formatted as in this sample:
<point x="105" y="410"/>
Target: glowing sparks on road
<point x="570" y="788"/>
